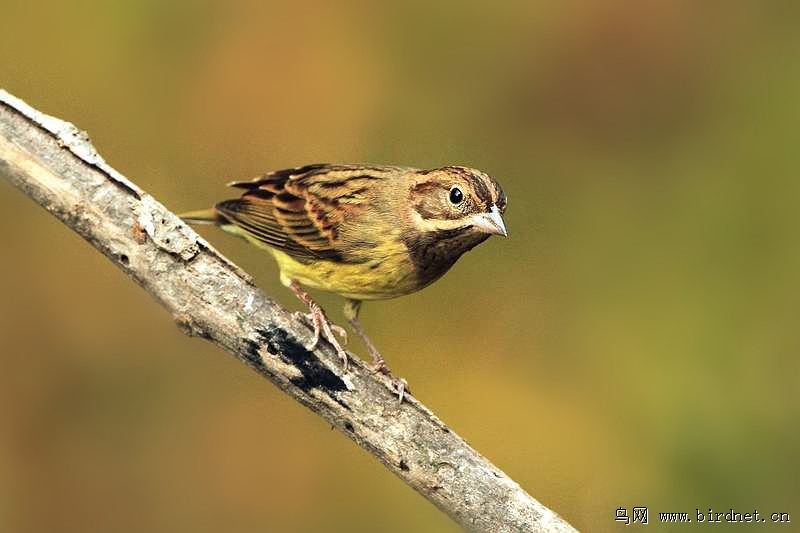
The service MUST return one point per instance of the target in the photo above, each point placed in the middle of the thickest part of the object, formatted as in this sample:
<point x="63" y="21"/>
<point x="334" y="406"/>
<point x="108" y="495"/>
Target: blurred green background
<point x="634" y="342"/>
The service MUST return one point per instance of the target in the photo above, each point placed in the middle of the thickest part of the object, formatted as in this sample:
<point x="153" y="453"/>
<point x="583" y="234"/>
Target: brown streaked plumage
<point x="364" y="232"/>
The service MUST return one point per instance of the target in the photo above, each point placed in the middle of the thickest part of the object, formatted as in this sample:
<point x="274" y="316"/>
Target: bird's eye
<point x="456" y="196"/>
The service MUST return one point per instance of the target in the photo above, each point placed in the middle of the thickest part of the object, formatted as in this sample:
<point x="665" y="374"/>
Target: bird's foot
<point x="339" y="331"/>
<point x="324" y="328"/>
<point x="378" y="365"/>
<point x="398" y="385"/>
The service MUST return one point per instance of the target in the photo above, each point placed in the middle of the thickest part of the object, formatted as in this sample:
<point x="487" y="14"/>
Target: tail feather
<point x="203" y="216"/>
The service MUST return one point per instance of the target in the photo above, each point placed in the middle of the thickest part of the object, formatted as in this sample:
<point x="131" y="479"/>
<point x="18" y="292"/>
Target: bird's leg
<point x="351" y="308"/>
<point x="400" y="385"/>
<point x="322" y="326"/>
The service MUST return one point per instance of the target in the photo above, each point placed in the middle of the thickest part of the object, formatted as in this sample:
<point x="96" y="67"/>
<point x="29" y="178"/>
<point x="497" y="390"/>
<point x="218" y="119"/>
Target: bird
<point x="364" y="232"/>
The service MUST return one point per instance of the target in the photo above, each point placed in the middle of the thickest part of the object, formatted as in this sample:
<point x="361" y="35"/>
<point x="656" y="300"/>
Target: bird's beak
<point x="490" y="222"/>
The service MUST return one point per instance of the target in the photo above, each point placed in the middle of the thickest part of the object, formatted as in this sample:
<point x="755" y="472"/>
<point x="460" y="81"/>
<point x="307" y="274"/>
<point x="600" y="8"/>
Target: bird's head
<point x="458" y="199"/>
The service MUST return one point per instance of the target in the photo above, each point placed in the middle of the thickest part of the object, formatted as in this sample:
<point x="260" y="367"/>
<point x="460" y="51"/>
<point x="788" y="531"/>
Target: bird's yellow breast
<point x="391" y="276"/>
<point x="388" y="273"/>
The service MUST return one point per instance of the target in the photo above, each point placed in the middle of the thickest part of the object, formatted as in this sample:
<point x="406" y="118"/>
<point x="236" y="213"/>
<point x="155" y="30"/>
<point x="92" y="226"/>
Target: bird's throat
<point x="433" y="253"/>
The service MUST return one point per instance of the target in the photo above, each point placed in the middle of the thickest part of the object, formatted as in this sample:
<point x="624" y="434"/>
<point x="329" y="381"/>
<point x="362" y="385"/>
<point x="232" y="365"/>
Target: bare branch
<point x="56" y="165"/>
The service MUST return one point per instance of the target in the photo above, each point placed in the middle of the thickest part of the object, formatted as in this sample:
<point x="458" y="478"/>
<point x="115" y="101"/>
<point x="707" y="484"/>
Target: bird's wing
<point x="300" y="211"/>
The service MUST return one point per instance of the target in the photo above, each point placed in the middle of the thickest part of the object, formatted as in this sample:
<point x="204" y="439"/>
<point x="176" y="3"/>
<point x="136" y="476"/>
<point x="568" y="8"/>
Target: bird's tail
<point x="202" y="216"/>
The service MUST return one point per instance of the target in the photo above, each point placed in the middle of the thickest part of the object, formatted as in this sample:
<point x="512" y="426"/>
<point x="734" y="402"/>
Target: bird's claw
<point x="378" y="366"/>
<point x="340" y="331"/>
<point x="323" y="328"/>
<point x="399" y="386"/>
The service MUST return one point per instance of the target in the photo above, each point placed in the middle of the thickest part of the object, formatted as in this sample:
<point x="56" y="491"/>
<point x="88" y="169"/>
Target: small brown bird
<point x="364" y="232"/>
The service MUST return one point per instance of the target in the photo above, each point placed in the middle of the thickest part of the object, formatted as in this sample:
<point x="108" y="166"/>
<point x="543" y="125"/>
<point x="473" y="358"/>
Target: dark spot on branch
<point x="314" y="374"/>
<point x="124" y="259"/>
<point x="252" y="355"/>
<point x="404" y="465"/>
<point x="349" y="427"/>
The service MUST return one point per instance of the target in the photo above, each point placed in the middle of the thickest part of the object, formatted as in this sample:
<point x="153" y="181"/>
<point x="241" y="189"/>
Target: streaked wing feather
<point x="300" y="210"/>
<point x="257" y="222"/>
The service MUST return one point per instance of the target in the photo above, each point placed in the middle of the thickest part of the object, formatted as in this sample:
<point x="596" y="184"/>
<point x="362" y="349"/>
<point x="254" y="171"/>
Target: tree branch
<point x="57" y="166"/>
